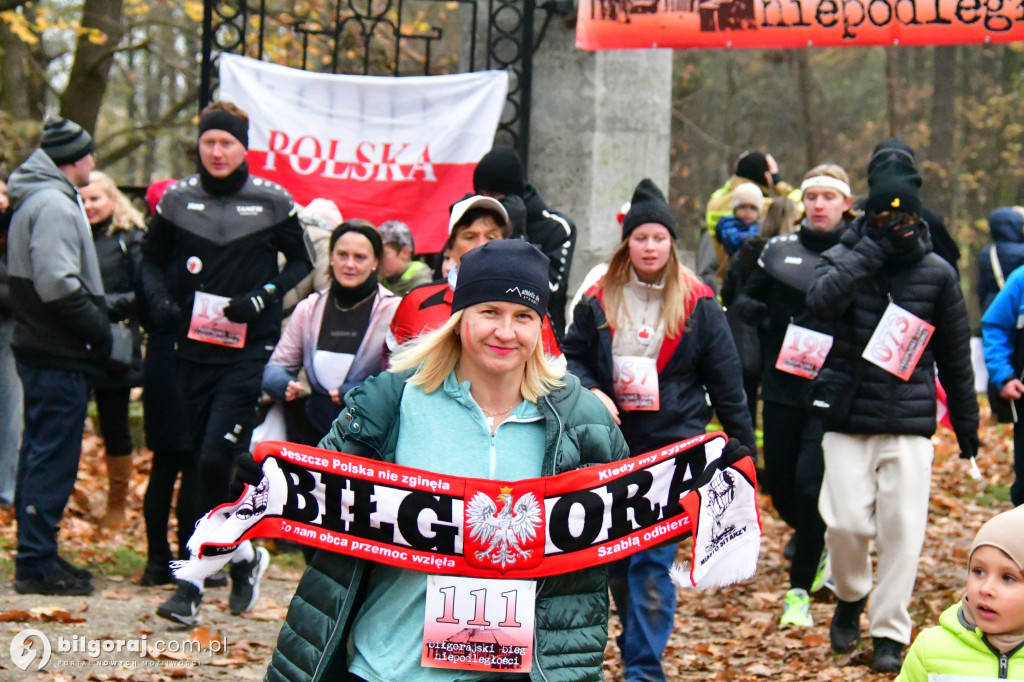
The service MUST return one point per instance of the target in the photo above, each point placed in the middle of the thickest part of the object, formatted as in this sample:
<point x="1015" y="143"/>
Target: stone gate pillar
<point x="600" y="122"/>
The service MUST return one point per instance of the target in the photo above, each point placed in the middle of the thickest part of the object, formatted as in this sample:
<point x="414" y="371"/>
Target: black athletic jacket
<point x="225" y="245"/>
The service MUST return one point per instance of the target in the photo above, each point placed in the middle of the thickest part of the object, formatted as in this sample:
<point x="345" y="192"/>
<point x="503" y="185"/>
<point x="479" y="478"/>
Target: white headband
<point x="826" y="181"/>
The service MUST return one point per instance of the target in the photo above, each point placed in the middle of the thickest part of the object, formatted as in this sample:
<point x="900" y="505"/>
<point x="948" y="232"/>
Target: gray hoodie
<point x="56" y="287"/>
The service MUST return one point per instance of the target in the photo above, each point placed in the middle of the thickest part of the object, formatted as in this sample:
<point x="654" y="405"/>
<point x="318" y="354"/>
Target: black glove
<point x="969" y="444"/>
<point x="120" y="306"/>
<point x="248" y="307"/>
<point x="881" y="237"/>
<point x="734" y="452"/>
<point x="247" y="470"/>
<point x="165" y="313"/>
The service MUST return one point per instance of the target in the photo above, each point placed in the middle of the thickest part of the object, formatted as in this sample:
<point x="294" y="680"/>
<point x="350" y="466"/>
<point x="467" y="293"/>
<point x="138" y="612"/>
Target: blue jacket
<point x="1007" y="228"/>
<point x="731" y="232"/>
<point x="999" y="329"/>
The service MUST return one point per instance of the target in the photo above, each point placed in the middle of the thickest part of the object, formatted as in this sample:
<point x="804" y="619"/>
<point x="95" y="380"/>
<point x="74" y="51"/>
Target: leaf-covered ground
<point x="725" y="634"/>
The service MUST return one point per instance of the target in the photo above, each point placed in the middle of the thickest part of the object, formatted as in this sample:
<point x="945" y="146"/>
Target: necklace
<point x="492" y="415"/>
<point x="350" y="308"/>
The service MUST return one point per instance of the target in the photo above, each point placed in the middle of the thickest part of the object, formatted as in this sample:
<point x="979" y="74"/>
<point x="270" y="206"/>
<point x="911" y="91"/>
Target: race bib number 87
<point x="635" y="381"/>
<point x="479" y="624"/>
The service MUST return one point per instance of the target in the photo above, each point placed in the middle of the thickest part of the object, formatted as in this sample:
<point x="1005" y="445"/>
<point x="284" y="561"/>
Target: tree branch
<point x="135" y="139"/>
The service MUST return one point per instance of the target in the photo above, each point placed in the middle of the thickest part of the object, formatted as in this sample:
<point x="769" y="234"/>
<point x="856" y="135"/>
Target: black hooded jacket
<point x="854" y="283"/>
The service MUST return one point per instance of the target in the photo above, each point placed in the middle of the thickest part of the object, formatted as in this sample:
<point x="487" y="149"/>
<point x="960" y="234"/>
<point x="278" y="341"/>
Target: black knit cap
<point x="363" y="227"/>
<point x="218" y="119"/>
<point x="510" y="270"/>
<point x="65" y="141"/>
<point x="500" y="172"/>
<point x="753" y="166"/>
<point x="891" y="148"/>
<point x="894" y="185"/>
<point x="648" y="205"/>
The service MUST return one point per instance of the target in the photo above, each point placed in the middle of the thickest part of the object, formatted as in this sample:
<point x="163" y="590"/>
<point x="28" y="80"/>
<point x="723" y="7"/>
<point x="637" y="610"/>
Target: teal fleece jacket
<point x="571" y="609"/>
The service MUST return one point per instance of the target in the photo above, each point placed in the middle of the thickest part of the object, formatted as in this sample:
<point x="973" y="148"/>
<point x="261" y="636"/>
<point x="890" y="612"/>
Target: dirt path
<point x="223" y="647"/>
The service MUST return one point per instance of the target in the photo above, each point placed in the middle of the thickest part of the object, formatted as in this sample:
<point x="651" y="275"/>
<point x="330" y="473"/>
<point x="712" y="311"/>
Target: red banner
<point x="614" y="24"/>
<point x="432" y="522"/>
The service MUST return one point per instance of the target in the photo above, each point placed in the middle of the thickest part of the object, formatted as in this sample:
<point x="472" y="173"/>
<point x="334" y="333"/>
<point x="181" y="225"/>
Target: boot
<point x="119" y="474"/>
<point x="844" y="632"/>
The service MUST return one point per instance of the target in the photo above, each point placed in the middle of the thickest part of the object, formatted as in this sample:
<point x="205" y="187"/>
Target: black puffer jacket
<point x="853" y="285"/>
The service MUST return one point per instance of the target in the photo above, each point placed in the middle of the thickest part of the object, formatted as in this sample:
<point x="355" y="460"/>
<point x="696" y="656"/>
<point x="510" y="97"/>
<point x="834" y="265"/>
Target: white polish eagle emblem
<point x="503" y="531"/>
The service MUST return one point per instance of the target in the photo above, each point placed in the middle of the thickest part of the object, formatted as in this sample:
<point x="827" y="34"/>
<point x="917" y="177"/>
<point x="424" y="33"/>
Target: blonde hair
<point x="436" y="354"/>
<point x="780" y="218"/>
<point x="675" y="301"/>
<point x="831" y="170"/>
<point x="125" y="216"/>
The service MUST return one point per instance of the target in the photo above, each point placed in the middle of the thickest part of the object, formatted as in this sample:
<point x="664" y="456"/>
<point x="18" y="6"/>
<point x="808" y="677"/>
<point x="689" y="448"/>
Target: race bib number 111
<point x="479" y="624"/>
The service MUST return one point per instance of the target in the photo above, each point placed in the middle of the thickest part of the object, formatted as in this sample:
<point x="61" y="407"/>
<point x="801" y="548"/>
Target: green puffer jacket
<point x="954" y="648"/>
<point x="571" y="609"/>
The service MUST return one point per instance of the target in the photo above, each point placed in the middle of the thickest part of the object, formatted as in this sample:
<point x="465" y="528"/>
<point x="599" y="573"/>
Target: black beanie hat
<point x="752" y="166"/>
<point x="363" y="227"/>
<point x="65" y="141"/>
<point x="890" y="148"/>
<point x="218" y="119"/>
<point x="894" y="185"/>
<point x="648" y="205"/>
<point x="510" y="270"/>
<point x="500" y="172"/>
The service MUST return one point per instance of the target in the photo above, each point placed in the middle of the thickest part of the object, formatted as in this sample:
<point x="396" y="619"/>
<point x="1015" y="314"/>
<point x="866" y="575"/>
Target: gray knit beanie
<point x="65" y="141"/>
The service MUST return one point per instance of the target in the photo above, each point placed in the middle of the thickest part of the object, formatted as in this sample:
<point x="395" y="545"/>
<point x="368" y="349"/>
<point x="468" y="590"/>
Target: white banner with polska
<point x="381" y="148"/>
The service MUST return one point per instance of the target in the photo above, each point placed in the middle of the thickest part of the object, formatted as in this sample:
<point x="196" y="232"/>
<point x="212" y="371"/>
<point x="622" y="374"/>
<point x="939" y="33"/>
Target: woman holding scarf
<point x="336" y="335"/>
<point x="476" y="398"/>
<point x="649" y="340"/>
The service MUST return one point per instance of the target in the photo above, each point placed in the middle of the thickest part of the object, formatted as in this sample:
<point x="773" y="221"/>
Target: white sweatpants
<point x="876" y="487"/>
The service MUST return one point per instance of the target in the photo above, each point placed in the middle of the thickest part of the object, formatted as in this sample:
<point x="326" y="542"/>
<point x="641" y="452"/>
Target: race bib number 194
<point x="479" y="624"/>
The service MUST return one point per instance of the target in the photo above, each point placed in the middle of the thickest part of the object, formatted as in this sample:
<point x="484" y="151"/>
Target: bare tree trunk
<point x="939" y="157"/>
<point x="90" y="72"/>
<point x="803" y="69"/>
<point x="21" y="86"/>
<point x="890" y="89"/>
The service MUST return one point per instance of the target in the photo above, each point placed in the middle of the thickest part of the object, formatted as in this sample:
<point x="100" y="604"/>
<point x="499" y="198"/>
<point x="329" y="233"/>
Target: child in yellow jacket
<point x="981" y="637"/>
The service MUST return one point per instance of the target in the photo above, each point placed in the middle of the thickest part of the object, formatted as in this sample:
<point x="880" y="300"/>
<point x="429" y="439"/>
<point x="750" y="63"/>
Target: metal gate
<point x="386" y="38"/>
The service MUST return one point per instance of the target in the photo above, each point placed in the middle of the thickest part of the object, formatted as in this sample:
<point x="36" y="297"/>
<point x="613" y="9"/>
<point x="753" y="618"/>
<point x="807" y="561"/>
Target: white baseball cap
<point x="477" y="201"/>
